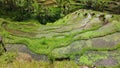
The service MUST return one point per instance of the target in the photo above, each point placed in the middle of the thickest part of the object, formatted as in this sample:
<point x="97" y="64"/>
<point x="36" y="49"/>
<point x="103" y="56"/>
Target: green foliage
<point x="41" y="64"/>
<point x="95" y="4"/>
<point x="89" y="59"/>
<point x="48" y="14"/>
<point x="7" y="57"/>
<point x="84" y="60"/>
<point x="1" y="49"/>
<point x="45" y="45"/>
<point x="101" y="5"/>
<point x="23" y="9"/>
<point x="36" y="7"/>
<point x="109" y="29"/>
<point x="16" y="9"/>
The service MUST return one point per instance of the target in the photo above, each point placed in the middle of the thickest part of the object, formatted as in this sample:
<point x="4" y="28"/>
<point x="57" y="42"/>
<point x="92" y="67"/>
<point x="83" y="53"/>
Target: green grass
<point x="42" y="45"/>
<point x="89" y="58"/>
<point x="45" y="45"/>
<point x="37" y="64"/>
<point x="105" y="30"/>
<point x="7" y="57"/>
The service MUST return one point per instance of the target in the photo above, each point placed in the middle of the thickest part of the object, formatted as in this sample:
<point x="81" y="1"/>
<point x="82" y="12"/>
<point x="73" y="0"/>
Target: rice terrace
<point x="59" y="33"/>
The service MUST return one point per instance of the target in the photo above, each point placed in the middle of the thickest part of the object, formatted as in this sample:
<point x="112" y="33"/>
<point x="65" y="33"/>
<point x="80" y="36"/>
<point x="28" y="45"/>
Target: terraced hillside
<point x="89" y="37"/>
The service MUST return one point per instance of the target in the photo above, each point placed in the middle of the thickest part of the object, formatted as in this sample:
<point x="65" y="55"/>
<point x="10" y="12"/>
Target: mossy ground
<point x="95" y="57"/>
<point x="48" y="39"/>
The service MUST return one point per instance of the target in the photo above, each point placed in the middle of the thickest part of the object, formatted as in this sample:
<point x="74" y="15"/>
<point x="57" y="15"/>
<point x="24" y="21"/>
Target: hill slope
<point x="89" y="37"/>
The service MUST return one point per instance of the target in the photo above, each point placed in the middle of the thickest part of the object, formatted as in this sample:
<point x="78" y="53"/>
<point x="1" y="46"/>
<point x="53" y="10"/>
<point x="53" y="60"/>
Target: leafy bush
<point x="101" y="5"/>
<point x="23" y="9"/>
<point x="49" y="14"/>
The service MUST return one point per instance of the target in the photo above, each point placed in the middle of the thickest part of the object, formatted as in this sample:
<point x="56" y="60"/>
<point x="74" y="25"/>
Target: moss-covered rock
<point x="101" y="43"/>
<point x="101" y="58"/>
<point x="75" y="34"/>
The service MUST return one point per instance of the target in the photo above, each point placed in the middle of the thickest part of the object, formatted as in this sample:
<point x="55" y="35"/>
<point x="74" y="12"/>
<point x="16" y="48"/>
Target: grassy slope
<point x="48" y="41"/>
<point x="40" y="45"/>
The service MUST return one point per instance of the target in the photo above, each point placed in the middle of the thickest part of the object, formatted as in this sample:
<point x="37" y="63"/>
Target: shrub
<point x="48" y="14"/>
